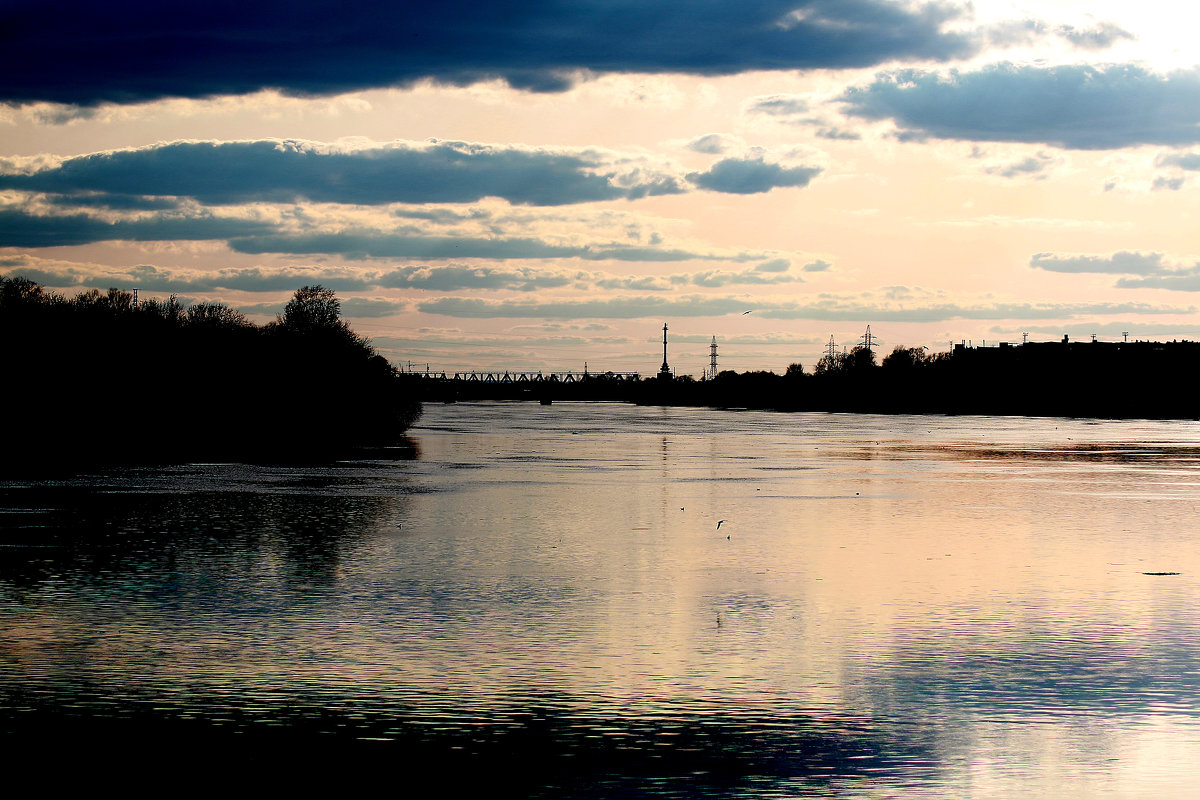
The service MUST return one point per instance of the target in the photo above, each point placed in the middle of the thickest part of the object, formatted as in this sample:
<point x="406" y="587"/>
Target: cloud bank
<point x="751" y="176"/>
<point x="1121" y="263"/>
<point x="424" y="278"/>
<point x="159" y="192"/>
<point x="20" y="228"/>
<point x="1139" y="270"/>
<point x="288" y="171"/>
<point x="829" y="310"/>
<point x="1073" y="106"/>
<point x="84" y="53"/>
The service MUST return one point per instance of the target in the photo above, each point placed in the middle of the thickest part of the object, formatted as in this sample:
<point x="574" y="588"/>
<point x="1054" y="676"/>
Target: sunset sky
<point x="536" y="185"/>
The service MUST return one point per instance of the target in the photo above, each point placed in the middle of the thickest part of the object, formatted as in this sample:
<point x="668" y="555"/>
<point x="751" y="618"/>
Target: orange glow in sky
<point x="515" y="200"/>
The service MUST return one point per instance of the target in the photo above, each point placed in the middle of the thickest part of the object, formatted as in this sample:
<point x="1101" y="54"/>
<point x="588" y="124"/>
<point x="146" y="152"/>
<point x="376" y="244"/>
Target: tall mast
<point x="665" y="371"/>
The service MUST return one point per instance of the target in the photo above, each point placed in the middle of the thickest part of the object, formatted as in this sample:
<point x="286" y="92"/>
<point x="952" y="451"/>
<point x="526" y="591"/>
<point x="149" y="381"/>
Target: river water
<point x="607" y="600"/>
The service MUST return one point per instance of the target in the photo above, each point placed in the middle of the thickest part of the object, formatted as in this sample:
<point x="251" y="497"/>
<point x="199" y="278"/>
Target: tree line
<point x="100" y="376"/>
<point x="1084" y="379"/>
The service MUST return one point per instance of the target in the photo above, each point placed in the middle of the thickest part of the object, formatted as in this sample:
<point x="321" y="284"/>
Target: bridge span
<point x="517" y="376"/>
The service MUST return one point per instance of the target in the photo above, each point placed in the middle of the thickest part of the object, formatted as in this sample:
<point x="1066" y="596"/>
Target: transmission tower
<point x="712" y="359"/>
<point x="831" y="349"/>
<point x="867" y="338"/>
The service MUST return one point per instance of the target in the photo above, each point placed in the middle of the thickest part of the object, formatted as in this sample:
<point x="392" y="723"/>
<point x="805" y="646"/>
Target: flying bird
<point x="719" y="523"/>
<point x="744" y="313"/>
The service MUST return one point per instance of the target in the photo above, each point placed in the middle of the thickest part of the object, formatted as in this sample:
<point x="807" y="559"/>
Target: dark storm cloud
<point x="291" y="171"/>
<point x="83" y="52"/>
<point x="1074" y="106"/>
<point x="751" y="176"/>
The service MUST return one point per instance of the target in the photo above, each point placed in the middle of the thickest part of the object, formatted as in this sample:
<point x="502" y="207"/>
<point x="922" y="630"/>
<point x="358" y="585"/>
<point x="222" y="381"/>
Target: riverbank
<point x="103" y="378"/>
<point x="1128" y="380"/>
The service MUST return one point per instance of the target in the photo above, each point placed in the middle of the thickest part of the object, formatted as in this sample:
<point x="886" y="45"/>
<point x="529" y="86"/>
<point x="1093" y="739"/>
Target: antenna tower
<point x="665" y="371"/>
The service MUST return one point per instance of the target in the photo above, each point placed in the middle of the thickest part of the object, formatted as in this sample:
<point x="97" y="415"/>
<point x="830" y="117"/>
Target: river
<point x="608" y="600"/>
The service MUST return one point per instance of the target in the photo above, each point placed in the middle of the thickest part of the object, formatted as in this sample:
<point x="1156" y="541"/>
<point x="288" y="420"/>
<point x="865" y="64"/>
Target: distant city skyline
<point x="528" y="186"/>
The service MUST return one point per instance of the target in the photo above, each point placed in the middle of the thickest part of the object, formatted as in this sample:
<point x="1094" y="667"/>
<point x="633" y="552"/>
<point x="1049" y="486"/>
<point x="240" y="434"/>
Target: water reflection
<point x="138" y="526"/>
<point x="888" y="608"/>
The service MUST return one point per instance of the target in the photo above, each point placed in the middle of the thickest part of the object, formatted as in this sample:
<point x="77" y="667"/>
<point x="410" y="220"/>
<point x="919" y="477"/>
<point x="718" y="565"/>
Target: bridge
<point x="517" y="376"/>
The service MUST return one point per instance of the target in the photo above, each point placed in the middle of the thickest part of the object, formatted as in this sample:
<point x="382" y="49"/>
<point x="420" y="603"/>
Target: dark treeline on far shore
<point x="1069" y="379"/>
<point x="101" y="377"/>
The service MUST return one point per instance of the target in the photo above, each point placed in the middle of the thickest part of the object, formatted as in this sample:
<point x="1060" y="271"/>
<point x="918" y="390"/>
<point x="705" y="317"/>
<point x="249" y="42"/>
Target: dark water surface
<point x="539" y="598"/>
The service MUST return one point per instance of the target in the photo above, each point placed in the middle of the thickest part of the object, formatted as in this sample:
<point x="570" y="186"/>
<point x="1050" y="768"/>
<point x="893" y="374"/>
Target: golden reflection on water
<point x="972" y="590"/>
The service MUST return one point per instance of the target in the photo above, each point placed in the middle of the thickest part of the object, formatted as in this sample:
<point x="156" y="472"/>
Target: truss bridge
<point x="516" y="376"/>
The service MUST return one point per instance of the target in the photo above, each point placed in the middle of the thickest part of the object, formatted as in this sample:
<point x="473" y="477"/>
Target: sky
<point x="543" y="185"/>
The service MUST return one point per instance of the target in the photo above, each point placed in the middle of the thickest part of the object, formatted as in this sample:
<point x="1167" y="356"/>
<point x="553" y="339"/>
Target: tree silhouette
<point x="18" y="291"/>
<point x="313" y="307"/>
<point x="860" y="358"/>
<point x="214" y="315"/>
<point x="905" y="358"/>
<point x="826" y="365"/>
<point x="165" y="382"/>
